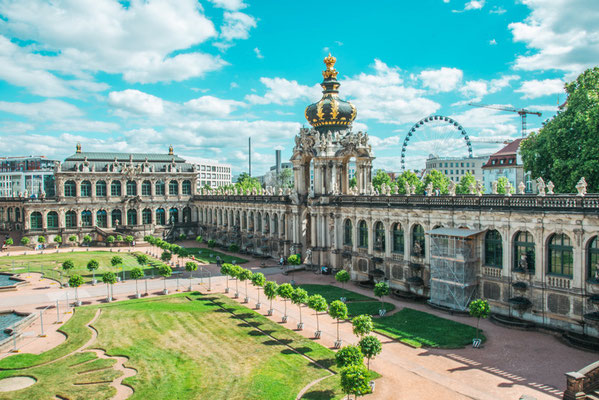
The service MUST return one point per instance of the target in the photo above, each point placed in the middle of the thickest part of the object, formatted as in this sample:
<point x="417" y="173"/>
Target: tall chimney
<point x="250" y="155"/>
<point x="278" y="162"/>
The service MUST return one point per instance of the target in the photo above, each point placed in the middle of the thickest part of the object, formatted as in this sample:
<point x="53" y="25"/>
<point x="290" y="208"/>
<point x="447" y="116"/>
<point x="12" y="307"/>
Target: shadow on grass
<point x="319" y="395"/>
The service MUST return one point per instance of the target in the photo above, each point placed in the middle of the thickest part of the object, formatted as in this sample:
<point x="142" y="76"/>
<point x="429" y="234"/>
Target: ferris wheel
<point x="437" y="136"/>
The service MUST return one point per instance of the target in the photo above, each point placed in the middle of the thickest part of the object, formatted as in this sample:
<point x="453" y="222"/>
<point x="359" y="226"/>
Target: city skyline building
<point x="31" y="175"/>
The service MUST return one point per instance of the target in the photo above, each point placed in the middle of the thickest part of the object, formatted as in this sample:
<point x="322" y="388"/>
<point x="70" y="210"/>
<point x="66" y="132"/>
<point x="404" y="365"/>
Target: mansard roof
<point x="119" y="162"/>
<point x="122" y="157"/>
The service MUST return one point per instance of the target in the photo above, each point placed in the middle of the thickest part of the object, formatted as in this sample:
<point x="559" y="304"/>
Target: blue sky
<point x="204" y="76"/>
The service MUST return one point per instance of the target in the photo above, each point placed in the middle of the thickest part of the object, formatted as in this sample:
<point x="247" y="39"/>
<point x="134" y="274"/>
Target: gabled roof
<point x="508" y="152"/>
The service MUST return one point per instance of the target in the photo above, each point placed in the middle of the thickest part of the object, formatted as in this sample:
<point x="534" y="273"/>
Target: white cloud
<point x="492" y="42"/>
<point x="231" y="5"/>
<point x="236" y="25"/>
<point x="562" y="34"/>
<point x="283" y="91"/>
<point x="47" y="110"/>
<point x="258" y="53"/>
<point x="497" y="10"/>
<point x="441" y="80"/>
<point x="213" y="105"/>
<point x="536" y="88"/>
<point x="136" y="40"/>
<point x="136" y="102"/>
<point x="474" y="5"/>
<point x="481" y="87"/>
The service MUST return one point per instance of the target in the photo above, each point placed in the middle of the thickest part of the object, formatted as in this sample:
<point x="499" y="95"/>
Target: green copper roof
<point x="122" y="157"/>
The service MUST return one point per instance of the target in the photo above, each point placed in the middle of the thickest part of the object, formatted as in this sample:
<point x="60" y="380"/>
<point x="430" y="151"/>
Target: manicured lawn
<point x="208" y="256"/>
<point x="50" y="264"/>
<point x="420" y="329"/>
<point x="367" y="307"/>
<point x="185" y="346"/>
<point x="331" y="293"/>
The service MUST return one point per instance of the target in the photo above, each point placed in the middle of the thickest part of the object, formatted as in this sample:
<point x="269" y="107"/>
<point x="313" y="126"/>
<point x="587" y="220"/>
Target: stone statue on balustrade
<point x="494" y="187"/>
<point x="521" y="188"/>
<point x="541" y="186"/>
<point x="451" y="188"/>
<point x="429" y="189"/>
<point x="508" y="188"/>
<point x="550" y="187"/>
<point x="408" y="188"/>
<point x="581" y="186"/>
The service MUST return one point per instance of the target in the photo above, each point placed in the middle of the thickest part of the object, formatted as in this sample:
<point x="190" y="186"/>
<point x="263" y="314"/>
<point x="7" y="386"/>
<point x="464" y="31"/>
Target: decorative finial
<point x="78" y="148"/>
<point x="330" y="72"/>
<point x="170" y="150"/>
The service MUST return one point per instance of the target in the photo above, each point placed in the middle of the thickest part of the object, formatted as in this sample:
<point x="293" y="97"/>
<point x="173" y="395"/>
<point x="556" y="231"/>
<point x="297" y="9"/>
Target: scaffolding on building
<point x="454" y="260"/>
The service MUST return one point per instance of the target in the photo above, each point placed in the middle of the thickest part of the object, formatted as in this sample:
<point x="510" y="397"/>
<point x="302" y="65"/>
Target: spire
<point x="78" y="148"/>
<point x="170" y="150"/>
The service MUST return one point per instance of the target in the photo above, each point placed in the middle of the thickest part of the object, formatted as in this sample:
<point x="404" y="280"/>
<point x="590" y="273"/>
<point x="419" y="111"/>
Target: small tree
<point x="110" y="239"/>
<point x="381" y="289"/>
<point x="165" y="271"/>
<point x="233" y="248"/>
<point x="92" y="266"/>
<point x="234" y="271"/>
<point x="199" y="239"/>
<point x="129" y="239"/>
<point x="225" y="269"/>
<point x="270" y="291"/>
<point x="24" y="241"/>
<point x="299" y="297"/>
<point x="319" y="304"/>
<point x="245" y="275"/>
<point x="9" y="242"/>
<point x="137" y="273"/>
<point x="182" y="237"/>
<point x="119" y="238"/>
<point x="258" y="281"/>
<point x="342" y="277"/>
<point x="294" y="259"/>
<point x="338" y="311"/>
<point x="68" y="265"/>
<point x="166" y="256"/>
<point x="371" y="347"/>
<point x="58" y="239"/>
<point x="355" y="380"/>
<point x="190" y="266"/>
<point x="349" y="355"/>
<point x="116" y="261"/>
<point x="87" y="239"/>
<point x="109" y="278"/>
<point x="142" y="259"/>
<point x="211" y="243"/>
<point x="362" y="325"/>
<point x="285" y="291"/>
<point x="76" y="281"/>
<point x="479" y="309"/>
<point x="41" y="239"/>
<point x="72" y="238"/>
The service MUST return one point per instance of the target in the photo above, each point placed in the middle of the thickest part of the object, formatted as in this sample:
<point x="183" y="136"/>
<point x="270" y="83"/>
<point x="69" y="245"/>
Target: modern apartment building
<point x="213" y="174"/>
<point x="456" y="167"/>
<point x="30" y="175"/>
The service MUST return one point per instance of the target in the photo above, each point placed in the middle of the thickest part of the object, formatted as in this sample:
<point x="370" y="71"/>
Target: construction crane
<point x="521" y="112"/>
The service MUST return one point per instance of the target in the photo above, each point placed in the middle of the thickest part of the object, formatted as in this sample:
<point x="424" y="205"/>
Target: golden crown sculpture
<point x="330" y="72"/>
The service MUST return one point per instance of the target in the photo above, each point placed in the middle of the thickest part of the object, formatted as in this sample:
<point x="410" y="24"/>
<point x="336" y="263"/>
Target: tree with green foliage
<point x="342" y="277"/>
<point x="211" y="243"/>
<point x="362" y="325"/>
<point x="119" y="238"/>
<point x="234" y="272"/>
<point x="270" y="291"/>
<point x="371" y="347"/>
<point x="87" y="239"/>
<point x="438" y="179"/>
<point x="24" y="241"/>
<point x="165" y="271"/>
<point x="355" y="380"/>
<point x="411" y="178"/>
<point x="479" y="309"/>
<point x="502" y="184"/>
<point x="319" y="304"/>
<point x="129" y="239"/>
<point x="110" y="239"/>
<point x="225" y="268"/>
<point x="294" y="259"/>
<point x="381" y="289"/>
<point x="299" y="297"/>
<point x="199" y="239"/>
<point x="166" y="256"/>
<point x="67" y="266"/>
<point x="9" y="242"/>
<point x="109" y="278"/>
<point x="285" y="291"/>
<point x="137" y="273"/>
<point x="353" y="182"/>
<point x="75" y="281"/>
<point x="233" y="248"/>
<point x="142" y="259"/>
<point x="245" y="275"/>
<point x="258" y="280"/>
<point x="338" y="311"/>
<point x="92" y="266"/>
<point x="246" y="183"/>
<point x="565" y="148"/>
<point x="349" y="355"/>
<point x="116" y="261"/>
<point x="466" y="181"/>
<point x="190" y="266"/>
<point x="58" y="239"/>
<point x="73" y="238"/>
<point x="41" y="239"/>
<point x="379" y="178"/>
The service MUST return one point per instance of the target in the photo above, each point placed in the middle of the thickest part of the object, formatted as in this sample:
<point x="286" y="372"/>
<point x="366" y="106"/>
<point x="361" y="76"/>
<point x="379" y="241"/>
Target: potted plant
<point x="76" y="281"/>
<point x="137" y="273"/>
<point x="319" y="304"/>
<point x="92" y="266"/>
<point x="285" y="291"/>
<point x="110" y="240"/>
<point x="109" y="278"/>
<point x="190" y="266"/>
<point x="270" y="291"/>
<point x="299" y="297"/>
<point x="165" y="271"/>
<point x="338" y="311"/>
<point x="258" y="281"/>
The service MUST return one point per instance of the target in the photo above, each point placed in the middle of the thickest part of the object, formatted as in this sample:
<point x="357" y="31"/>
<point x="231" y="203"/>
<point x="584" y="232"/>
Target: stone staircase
<point x="583" y="384"/>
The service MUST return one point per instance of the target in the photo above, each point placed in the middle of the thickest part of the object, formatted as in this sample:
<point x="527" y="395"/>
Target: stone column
<point x="506" y="258"/>
<point x="44" y="220"/>
<point x="108" y="189"/>
<point x="388" y="238"/>
<point x="78" y="188"/>
<point x="93" y="193"/>
<point x="578" y="262"/>
<point x="94" y="217"/>
<point x="61" y="218"/>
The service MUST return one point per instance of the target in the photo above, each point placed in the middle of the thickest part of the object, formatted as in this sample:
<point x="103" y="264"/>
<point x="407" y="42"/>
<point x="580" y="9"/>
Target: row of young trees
<point x="87" y="240"/>
<point x="439" y="180"/>
<point x="169" y="248"/>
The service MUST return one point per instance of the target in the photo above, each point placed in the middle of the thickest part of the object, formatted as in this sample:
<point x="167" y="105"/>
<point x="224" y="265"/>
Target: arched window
<point x="146" y="216"/>
<point x="35" y="220"/>
<point x="275" y="224"/>
<point x="70" y="189"/>
<point x="173" y="188"/>
<point x="17" y="214"/>
<point x="131" y="188"/>
<point x="363" y="231"/>
<point x="251" y="222"/>
<point x="101" y="219"/>
<point x="173" y="215"/>
<point x="259" y="223"/>
<point x="379" y="236"/>
<point x="86" y="189"/>
<point x="115" y="189"/>
<point x="70" y="219"/>
<point x="86" y="218"/>
<point x="219" y="217"/>
<point x="160" y="217"/>
<point x="117" y="218"/>
<point x="418" y="243"/>
<point x="560" y="255"/>
<point x="398" y="242"/>
<point x="266" y="223"/>
<point x="187" y="214"/>
<point x="186" y="187"/>
<point x="524" y="252"/>
<point x="244" y="221"/>
<point x="52" y="220"/>
<point x="101" y="189"/>
<point x="146" y="188"/>
<point x="347" y="233"/>
<point x="131" y="217"/>
<point x="160" y="188"/>
<point x="493" y="249"/>
<point x="593" y="259"/>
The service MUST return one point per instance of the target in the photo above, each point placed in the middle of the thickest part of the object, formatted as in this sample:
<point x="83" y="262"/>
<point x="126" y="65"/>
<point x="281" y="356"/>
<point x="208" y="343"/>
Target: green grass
<point x="367" y="307"/>
<point x="208" y="256"/>
<point x="330" y="388"/>
<point x="331" y="293"/>
<point x="50" y="264"/>
<point x="420" y="329"/>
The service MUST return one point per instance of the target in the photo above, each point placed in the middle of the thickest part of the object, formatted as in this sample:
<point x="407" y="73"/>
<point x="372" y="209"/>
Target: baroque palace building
<point x="533" y="256"/>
